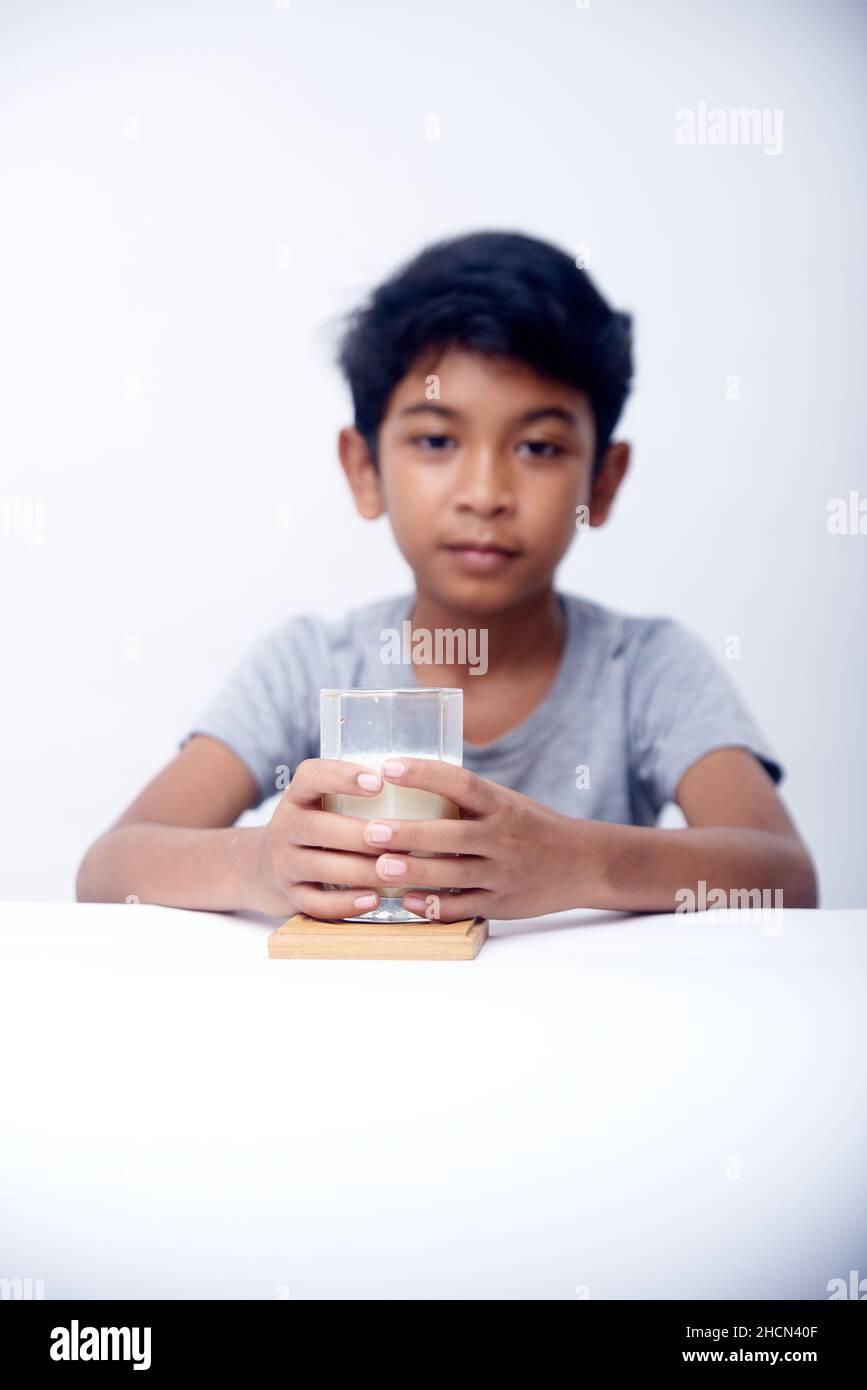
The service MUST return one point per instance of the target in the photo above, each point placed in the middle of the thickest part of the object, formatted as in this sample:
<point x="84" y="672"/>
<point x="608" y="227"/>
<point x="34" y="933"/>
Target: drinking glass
<point x="368" y="726"/>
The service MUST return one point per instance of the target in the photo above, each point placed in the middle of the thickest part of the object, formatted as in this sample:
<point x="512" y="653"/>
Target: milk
<point x="392" y="803"/>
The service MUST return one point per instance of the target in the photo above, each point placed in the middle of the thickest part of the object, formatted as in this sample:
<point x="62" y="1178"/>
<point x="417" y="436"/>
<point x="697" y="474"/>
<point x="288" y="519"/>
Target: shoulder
<point x="635" y="639"/>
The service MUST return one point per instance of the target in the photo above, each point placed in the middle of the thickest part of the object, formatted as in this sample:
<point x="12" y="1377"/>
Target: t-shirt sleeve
<point x="267" y="708"/>
<point x="682" y="705"/>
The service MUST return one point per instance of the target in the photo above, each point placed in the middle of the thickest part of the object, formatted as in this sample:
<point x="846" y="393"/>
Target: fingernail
<point x="378" y="833"/>
<point x="367" y="900"/>
<point x="393" y="767"/>
<point x="393" y="867"/>
<point x="369" y="781"/>
<point x="414" y="904"/>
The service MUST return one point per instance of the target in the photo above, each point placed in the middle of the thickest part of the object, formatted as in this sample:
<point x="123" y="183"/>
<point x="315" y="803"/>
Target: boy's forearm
<point x="176" y="866"/>
<point x="643" y="869"/>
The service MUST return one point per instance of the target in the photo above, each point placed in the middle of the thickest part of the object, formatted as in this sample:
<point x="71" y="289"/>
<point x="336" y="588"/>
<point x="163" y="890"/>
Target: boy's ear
<point x="615" y="462"/>
<point x="361" y="474"/>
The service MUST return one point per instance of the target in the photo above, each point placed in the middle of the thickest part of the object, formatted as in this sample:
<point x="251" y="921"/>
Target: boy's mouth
<point x="482" y="556"/>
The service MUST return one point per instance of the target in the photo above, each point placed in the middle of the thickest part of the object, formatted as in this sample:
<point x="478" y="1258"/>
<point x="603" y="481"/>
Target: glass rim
<point x="392" y="690"/>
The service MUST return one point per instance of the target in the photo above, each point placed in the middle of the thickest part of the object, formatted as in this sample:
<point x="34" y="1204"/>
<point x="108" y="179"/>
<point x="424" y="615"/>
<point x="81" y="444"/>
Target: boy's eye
<point x="542" y="448"/>
<point x="432" y="443"/>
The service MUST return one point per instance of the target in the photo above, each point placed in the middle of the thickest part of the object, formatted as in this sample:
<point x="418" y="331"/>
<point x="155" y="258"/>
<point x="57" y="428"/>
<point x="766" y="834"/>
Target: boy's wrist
<point x="240" y="861"/>
<point x="605" y="861"/>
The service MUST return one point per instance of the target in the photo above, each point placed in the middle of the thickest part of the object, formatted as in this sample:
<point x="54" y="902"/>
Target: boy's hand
<point x="517" y="858"/>
<point x="303" y="847"/>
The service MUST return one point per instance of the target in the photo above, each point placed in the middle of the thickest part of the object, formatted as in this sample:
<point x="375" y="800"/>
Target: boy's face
<point x="483" y="464"/>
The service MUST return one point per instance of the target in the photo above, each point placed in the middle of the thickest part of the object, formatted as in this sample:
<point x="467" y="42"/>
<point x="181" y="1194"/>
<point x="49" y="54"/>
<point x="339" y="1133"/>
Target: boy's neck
<point x="532" y="629"/>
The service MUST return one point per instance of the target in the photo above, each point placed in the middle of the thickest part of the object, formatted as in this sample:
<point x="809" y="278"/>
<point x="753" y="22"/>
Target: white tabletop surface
<point x="596" y="1107"/>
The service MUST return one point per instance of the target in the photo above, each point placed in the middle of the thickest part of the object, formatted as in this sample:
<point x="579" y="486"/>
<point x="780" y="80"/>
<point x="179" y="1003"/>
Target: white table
<point x="598" y="1106"/>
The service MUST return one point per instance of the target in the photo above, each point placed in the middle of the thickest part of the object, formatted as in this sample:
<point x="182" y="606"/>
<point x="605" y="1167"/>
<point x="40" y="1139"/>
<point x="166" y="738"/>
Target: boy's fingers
<point x="425" y="836"/>
<point x="327" y="866"/>
<point x="448" y="907"/>
<point x="333" y="904"/>
<point x="325" y="829"/>
<point x="316" y="776"/>
<point x="469" y="791"/>
<point x="400" y="872"/>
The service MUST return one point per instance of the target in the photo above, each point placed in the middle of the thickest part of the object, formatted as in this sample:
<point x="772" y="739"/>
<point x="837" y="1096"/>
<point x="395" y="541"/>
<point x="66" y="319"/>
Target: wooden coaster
<point x="307" y="938"/>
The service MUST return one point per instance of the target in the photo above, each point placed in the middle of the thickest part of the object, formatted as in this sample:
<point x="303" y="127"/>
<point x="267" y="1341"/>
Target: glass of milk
<point x="368" y="726"/>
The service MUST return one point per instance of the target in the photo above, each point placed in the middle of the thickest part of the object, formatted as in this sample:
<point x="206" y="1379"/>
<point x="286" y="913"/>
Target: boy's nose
<point x="485" y="483"/>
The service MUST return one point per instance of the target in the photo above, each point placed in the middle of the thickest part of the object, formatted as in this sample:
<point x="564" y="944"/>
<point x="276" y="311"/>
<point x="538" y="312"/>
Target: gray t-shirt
<point x="634" y="703"/>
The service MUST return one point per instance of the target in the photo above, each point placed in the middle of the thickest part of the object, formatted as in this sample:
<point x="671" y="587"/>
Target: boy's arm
<point x="177" y="843"/>
<point x="739" y="836"/>
<point x="511" y="856"/>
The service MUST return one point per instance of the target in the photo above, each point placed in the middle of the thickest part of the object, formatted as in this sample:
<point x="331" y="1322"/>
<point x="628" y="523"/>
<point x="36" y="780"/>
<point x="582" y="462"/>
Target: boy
<point x="487" y="377"/>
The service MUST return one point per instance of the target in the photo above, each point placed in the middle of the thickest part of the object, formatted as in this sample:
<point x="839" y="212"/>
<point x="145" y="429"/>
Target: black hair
<point x="499" y="293"/>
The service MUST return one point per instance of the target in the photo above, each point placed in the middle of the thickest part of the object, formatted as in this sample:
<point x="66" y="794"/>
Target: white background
<point x="193" y="192"/>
